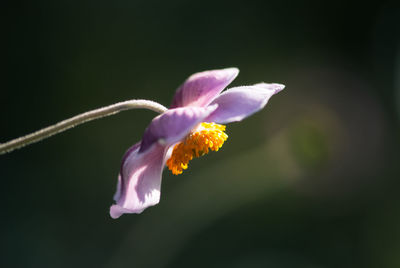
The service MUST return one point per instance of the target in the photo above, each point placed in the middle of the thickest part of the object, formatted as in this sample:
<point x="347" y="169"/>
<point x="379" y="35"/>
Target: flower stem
<point x="77" y="120"/>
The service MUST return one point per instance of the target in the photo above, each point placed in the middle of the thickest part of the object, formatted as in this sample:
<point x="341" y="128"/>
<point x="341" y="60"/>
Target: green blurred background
<point x="313" y="180"/>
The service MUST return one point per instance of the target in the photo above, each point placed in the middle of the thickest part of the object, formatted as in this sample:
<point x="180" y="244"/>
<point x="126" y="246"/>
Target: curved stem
<point x="77" y="120"/>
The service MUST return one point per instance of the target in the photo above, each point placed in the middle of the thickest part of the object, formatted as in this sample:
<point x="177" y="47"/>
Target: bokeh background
<point x="313" y="180"/>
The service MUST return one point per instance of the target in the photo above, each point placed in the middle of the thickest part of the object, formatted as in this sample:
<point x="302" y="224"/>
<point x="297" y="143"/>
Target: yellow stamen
<point x="206" y="136"/>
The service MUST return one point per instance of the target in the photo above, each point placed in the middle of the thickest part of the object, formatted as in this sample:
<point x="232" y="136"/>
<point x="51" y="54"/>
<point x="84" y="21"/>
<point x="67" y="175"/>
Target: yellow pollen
<point x="207" y="136"/>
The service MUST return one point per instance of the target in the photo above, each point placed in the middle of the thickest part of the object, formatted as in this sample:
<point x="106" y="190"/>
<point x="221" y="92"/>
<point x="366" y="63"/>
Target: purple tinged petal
<point x="202" y="88"/>
<point x="139" y="181"/>
<point x="238" y="103"/>
<point x="173" y="125"/>
<point x="274" y="87"/>
<point x="131" y="150"/>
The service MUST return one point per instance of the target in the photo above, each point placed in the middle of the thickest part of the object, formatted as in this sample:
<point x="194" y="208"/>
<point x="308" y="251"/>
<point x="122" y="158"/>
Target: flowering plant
<point x="190" y="128"/>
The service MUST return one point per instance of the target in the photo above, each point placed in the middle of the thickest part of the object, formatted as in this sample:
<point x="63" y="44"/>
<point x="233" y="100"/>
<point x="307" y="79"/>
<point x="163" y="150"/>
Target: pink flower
<point x="189" y="129"/>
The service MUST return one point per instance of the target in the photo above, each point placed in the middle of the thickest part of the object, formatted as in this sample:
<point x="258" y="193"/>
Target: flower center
<point x="207" y="136"/>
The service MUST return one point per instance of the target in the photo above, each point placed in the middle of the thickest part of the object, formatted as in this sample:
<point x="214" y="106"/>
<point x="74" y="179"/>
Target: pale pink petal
<point x="173" y="125"/>
<point x="200" y="89"/>
<point x="238" y="103"/>
<point x="132" y="149"/>
<point x="139" y="181"/>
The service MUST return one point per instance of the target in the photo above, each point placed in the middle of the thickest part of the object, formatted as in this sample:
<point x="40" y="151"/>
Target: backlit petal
<point x="238" y="103"/>
<point x="200" y="89"/>
<point x="139" y="180"/>
<point x="173" y="125"/>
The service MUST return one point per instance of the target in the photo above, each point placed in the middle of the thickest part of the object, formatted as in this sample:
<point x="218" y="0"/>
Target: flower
<point x="189" y="128"/>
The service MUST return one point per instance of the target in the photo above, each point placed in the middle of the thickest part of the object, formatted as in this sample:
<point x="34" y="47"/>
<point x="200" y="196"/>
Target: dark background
<point x="313" y="180"/>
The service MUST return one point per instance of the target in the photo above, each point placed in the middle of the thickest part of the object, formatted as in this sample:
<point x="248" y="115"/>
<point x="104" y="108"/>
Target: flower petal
<point x="173" y="125"/>
<point x="201" y="88"/>
<point x="132" y="149"/>
<point x="139" y="180"/>
<point x="238" y="103"/>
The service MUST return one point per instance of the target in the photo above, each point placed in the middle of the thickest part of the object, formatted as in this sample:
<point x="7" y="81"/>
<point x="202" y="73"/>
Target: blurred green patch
<point x="309" y="143"/>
